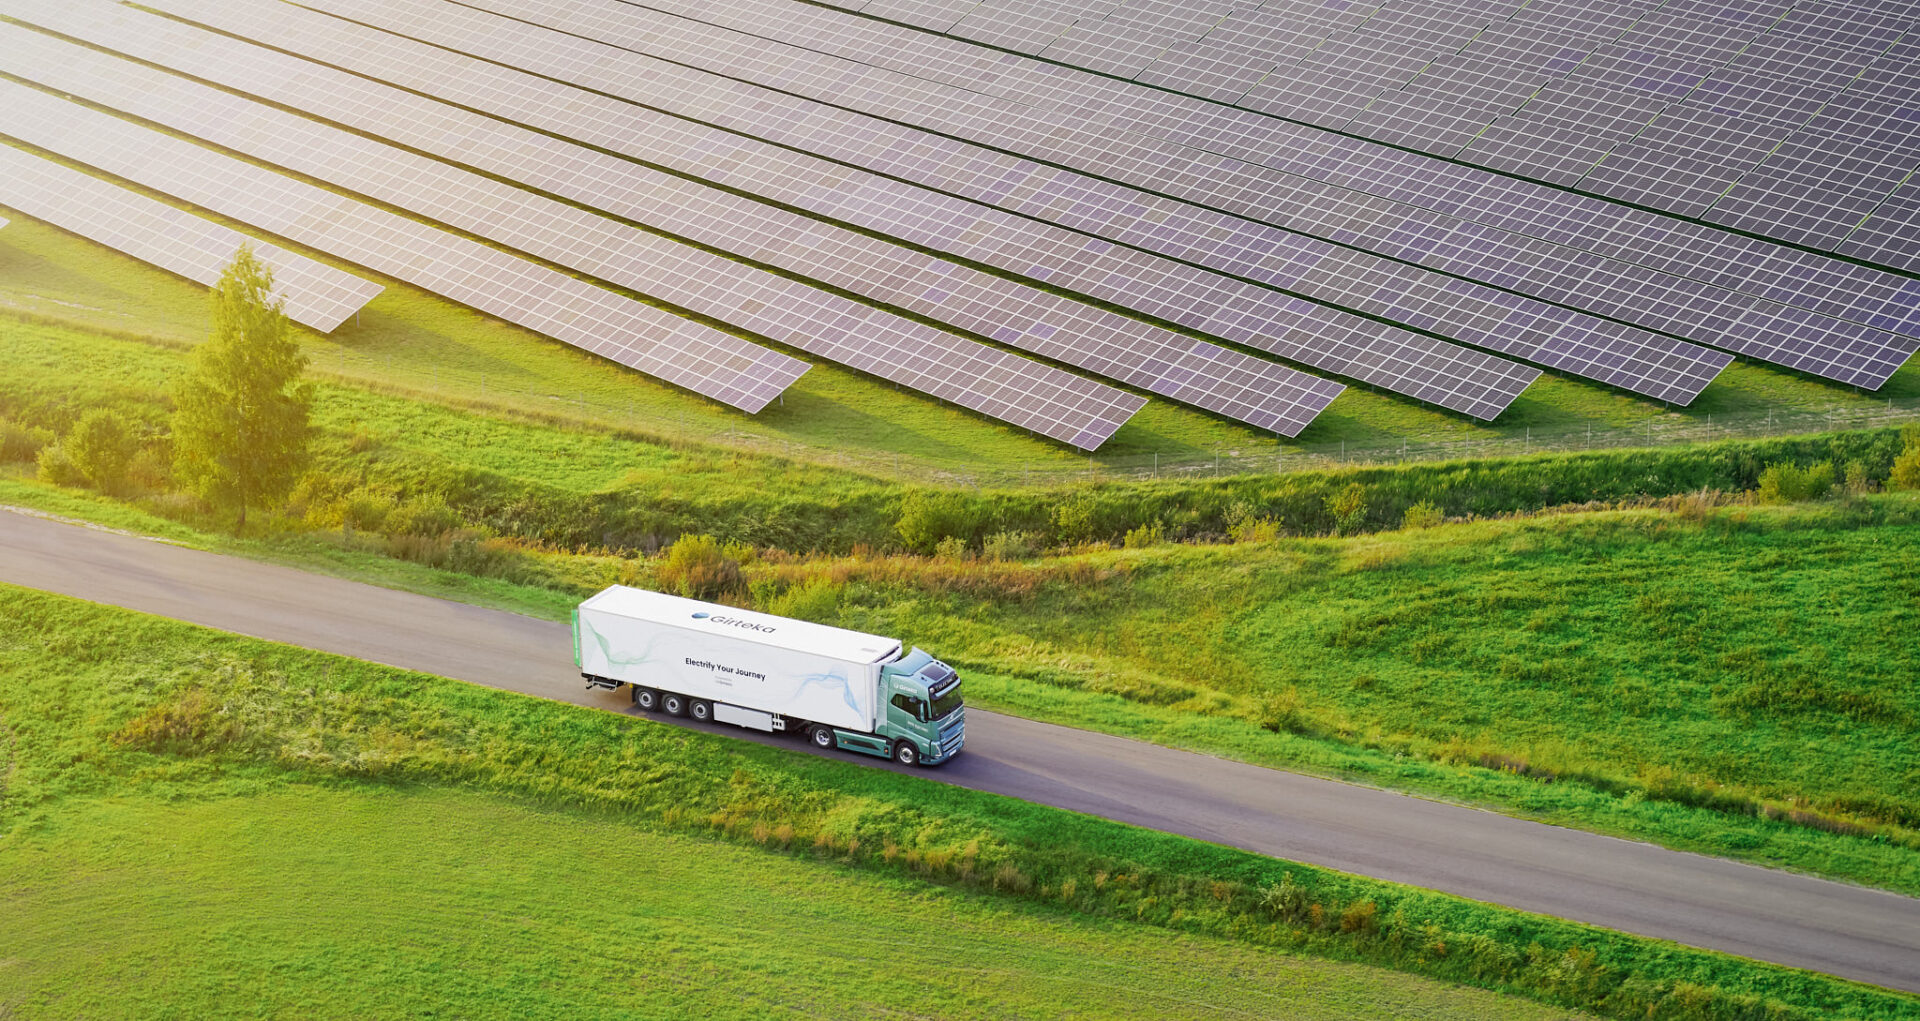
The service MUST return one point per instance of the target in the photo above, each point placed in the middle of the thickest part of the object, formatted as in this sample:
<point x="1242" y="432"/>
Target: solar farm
<point x="1323" y="509"/>
<point x="1047" y="214"/>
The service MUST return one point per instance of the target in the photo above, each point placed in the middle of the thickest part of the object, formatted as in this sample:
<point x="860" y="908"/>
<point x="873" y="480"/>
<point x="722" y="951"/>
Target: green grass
<point x="1743" y="655"/>
<point x="370" y="901"/>
<point x="426" y="348"/>
<point x="162" y="773"/>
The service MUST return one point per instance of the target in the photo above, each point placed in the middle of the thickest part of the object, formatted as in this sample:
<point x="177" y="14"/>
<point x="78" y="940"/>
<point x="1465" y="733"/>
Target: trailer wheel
<point x="646" y="698"/>
<point x="905" y="753"/>
<point x="699" y="710"/>
<point x="822" y="737"/>
<point x="675" y="704"/>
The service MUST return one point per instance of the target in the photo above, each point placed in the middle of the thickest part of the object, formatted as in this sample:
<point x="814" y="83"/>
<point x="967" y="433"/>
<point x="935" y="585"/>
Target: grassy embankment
<point x="316" y="830"/>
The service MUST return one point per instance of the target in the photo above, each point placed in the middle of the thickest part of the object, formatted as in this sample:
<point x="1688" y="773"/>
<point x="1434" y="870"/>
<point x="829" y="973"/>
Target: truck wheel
<point x="822" y="737"/>
<point x="905" y="753"/>
<point x="702" y="711"/>
<point x="674" y="704"/>
<point x="647" y="699"/>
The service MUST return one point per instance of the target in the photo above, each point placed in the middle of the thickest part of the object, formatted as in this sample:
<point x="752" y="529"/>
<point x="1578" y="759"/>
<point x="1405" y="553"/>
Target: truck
<point x="833" y="687"/>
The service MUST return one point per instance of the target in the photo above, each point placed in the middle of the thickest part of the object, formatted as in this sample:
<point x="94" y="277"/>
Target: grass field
<point x="377" y="902"/>
<point x="1730" y="681"/>
<point x="428" y="349"/>
<point x="194" y="817"/>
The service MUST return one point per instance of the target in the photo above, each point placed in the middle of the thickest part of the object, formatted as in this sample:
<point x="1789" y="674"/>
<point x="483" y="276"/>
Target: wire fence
<point x="478" y="391"/>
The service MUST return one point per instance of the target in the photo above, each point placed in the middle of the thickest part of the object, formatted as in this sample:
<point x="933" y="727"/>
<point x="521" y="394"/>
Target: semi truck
<point x="833" y="687"/>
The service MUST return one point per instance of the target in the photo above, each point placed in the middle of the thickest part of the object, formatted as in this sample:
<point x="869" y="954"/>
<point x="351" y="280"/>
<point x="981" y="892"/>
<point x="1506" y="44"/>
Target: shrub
<point x="22" y="442"/>
<point x="697" y="567"/>
<point x="100" y="447"/>
<point x="1906" y="467"/>
<point x="1783" y="482"/>
<point x="926" y="518"/>
<point x="365" y="511"/>
<point x="1075" y="519"/>
<point x="1149" y="534"/>
<point x="950" y="548"/>
<point x="426" y="515"/>
<point x="1244" y="526"/>
<point x="1858" y="480"/>
<point x="56" y="467"/>
<point x="1008" y="546"/>
<point x="1422" y="515"/>
<point x="1348" y="508"/>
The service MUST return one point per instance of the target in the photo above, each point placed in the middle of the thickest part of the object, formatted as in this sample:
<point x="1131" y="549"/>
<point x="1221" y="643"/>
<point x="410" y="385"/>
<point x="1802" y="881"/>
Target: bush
<point x="1348" y="508"/>
<point x="1906" y="467"/>
<point x="1783" y="482"/>
<point x="1422" y="515"/>
<point x="950" y="548"/>
<point x="1858" y="481"/>
<point x="22" y="442"/>
<point x="56" y="467"/>
<point x="1244" y="526"/>
<point x="423" y="515"/>
<point x="366" y="511"/>
<point x="1149" y="534"/>
<point x="101" y="447"/>
<point x="698" y="568"/>
<point x="1009" y="546"/>
<point x="927" y="518"/>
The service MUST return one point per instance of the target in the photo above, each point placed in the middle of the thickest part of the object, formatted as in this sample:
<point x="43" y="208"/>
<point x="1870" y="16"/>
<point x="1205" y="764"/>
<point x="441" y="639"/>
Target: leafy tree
<point x="101" y="447"/>
<point x="240" y="424"/>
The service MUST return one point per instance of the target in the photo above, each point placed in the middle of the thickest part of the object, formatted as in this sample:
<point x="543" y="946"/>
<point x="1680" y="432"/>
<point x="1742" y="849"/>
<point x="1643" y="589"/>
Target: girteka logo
<point x="735" y="622"/>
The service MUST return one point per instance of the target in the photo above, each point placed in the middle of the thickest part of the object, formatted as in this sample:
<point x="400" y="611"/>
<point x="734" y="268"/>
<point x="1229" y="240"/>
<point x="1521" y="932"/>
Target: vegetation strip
<point x="98" y="697"/>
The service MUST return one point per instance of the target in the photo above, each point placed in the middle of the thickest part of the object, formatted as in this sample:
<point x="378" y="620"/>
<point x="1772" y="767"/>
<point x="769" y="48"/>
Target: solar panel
<point x="1046" y="400"/>
<point x="1428" y="369"/>
<point x="1624" y="285"/>
<point x="314" y="293"/>
<point x="687" y="354"/>
<point x="1262" y="393"/>
<point x="1623" y="66"/>
<point x="1659" y="366"/>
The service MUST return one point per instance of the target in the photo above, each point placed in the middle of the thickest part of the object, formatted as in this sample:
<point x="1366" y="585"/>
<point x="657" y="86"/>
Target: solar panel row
<point x="1705" y="110"/>
<point x="679" y="351"/>
<point x="1542" y="241"/>
<point x="313" y="293"/>
<point x="1262" y="393"/>
<point x="1342" y="277"/>
<point x="1028" y="394"/>
<point x="1315" y="335"/>
<point x="1728" y="111"/>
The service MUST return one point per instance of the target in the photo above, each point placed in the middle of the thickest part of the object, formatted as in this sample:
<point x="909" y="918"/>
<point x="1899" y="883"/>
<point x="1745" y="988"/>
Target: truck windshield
<point x="946" y="703"/>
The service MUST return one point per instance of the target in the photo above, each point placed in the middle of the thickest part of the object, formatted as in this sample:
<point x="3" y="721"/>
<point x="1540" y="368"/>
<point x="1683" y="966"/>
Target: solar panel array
<point x="313" y="293"/>
<point x="1310" y="333"/>
<point x="1260" y="392"/>
<point x="1759" y="299"/>
<point x="1338" y="275"/>
<point x="993" y="382"/>
<point x="639" y="336"/>
<point x="1791" y="120"/>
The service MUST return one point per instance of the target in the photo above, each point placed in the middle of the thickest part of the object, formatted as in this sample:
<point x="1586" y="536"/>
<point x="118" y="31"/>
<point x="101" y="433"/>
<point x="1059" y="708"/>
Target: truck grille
<point x="953" y="732"/>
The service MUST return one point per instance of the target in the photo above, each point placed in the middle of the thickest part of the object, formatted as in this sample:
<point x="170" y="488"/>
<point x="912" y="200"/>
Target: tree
<point x="240" y="421"/>
<point x="100" y="448"/>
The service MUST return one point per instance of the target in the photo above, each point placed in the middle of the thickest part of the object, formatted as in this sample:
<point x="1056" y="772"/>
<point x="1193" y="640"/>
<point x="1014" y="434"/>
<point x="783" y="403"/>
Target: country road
<point x="1774" y="916"/>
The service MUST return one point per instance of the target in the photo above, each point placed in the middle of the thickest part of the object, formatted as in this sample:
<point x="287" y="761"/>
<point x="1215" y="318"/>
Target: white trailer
<point x="840" y="688"/>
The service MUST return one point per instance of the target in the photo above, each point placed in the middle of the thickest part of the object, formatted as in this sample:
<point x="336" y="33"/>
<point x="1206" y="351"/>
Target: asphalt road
<point x="1774" y="916"/>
